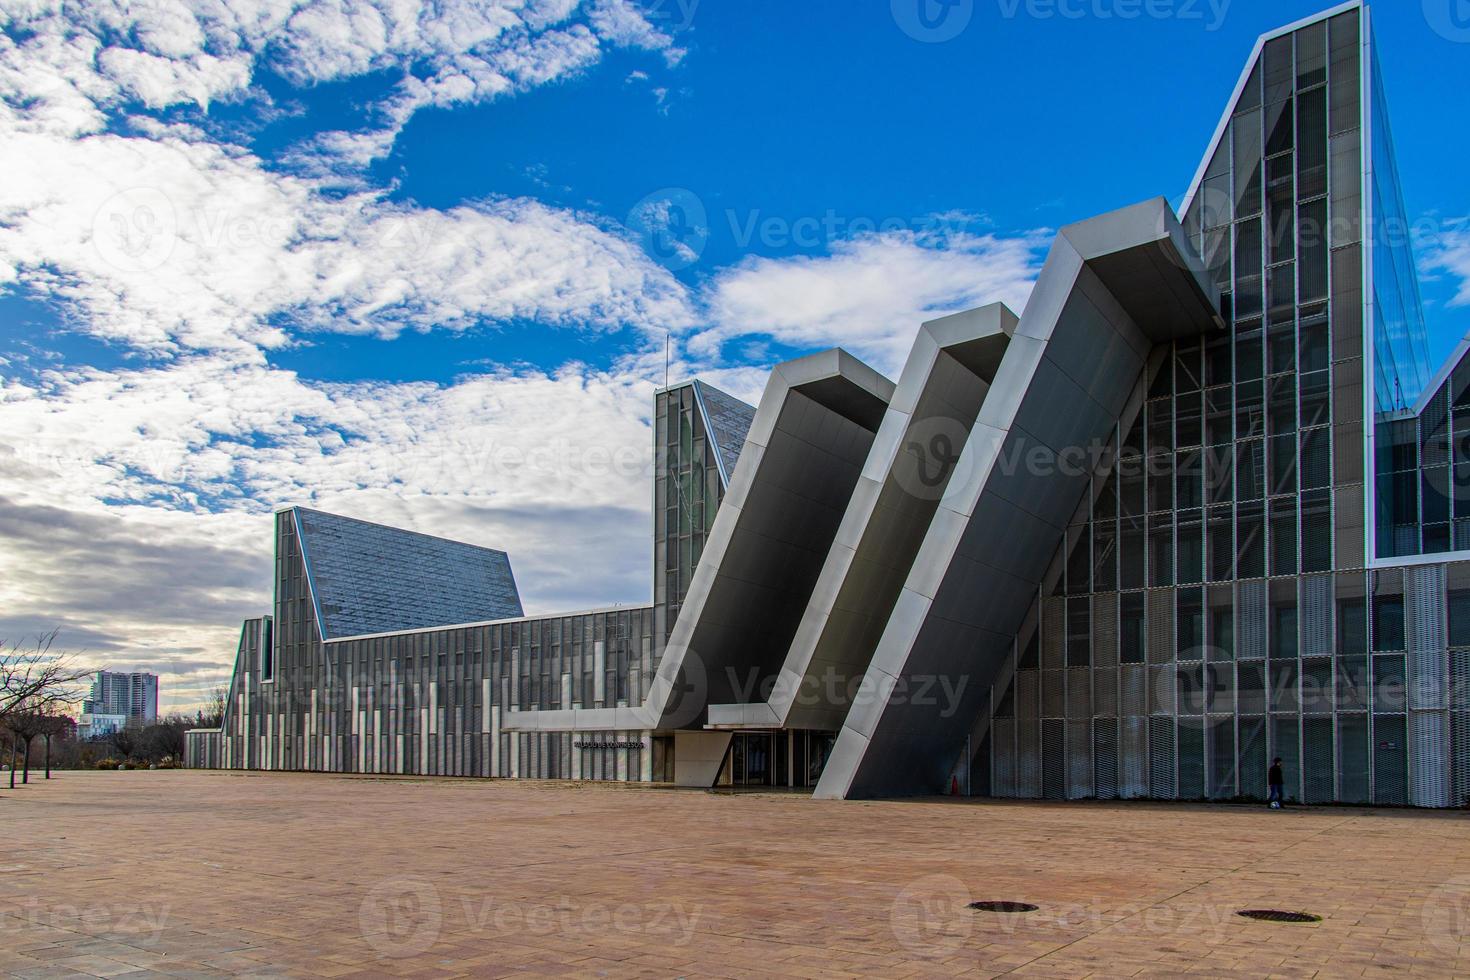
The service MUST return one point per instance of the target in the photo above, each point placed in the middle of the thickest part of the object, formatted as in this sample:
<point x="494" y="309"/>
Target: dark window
<point x="1352" y="626"/>
<point x="1388" y="622"/>
<point x="1132" y="634"/>
<point x="1459" y="618"/>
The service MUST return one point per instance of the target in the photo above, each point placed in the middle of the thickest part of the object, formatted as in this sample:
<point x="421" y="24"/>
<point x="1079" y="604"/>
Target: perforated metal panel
<point x="1053" y="758"/>
<point x="1429" y="758"/>
<point x="1053" y="694"/>
<point x="1028" y="759"/>
<point x="1079" y="760"/>
<point x="1161" y="773"/>
<point x="1161" y="684"/>
<point x="1317" y="611"/>
<point x="1133" y="766"/>
<point x="1079" y="693"/>
<point x="1250" y="620"/>
<point x="1316" y="531"/>
<point x="1254" y="762"/>
<point x="1220" y="749"/>
<point x="1390" y="760"/>
<point x="1028" y="694"/>
<point x="1105" y="629"/>
<point x="1354" y="759"/>
<point x="1161" y="639"/>
<point x="1250" y="687"/>
<point x="1105" y="691"/>
<point x="1189" y="686"/>
<point x="1134" y="690"/>
<point x="1427" y="670"/>
<point x="1460" y="680"/>
<point x="1319" y="760"/>
<point x="1286" y="744"/>
<point x="1191" y="758"/>
<point x="1054" y="632"/>
<point x="1003" y="757"/>
<point x="1424" y="604"/>
<point x="1105" y="756"/>
<point x="1460" y="764"/>
<point x="1317" y="686"/>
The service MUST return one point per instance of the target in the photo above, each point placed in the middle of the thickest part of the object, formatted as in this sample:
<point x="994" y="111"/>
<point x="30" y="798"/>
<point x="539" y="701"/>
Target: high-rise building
<point x="1198" y="508"/>
<point x="120" y="700"/>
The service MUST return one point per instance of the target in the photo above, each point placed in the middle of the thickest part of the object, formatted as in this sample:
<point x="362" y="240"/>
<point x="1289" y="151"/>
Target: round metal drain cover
<point x="1276" y="915"/>
<point x="1008" y="908"/>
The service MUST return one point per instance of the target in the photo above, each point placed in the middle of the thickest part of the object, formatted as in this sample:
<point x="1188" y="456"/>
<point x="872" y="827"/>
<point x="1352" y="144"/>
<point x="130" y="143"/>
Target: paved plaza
<point x="281" y="874"/>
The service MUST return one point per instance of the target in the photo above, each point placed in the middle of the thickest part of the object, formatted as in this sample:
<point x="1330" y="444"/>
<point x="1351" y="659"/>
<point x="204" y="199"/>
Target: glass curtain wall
<point x="1212" y="608"/>
<point x="687" y="493"/>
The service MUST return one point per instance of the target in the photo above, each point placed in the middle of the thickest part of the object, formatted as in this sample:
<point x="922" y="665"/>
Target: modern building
<point x="1199" y="506"/>
<point x="95" y="724"/>
<point x="119" y="700"/>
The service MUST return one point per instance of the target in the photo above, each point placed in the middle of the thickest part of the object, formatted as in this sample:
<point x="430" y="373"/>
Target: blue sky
<point x="410" y="263"/>
<point x="815" y="122"/>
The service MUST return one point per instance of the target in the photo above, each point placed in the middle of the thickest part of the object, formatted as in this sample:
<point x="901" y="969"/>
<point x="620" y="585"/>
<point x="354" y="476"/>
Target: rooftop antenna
<point x="668" y="343"/>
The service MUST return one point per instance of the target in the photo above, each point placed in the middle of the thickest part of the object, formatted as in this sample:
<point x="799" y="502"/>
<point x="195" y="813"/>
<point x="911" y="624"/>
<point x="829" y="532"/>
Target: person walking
<point x="1277" y="780"/>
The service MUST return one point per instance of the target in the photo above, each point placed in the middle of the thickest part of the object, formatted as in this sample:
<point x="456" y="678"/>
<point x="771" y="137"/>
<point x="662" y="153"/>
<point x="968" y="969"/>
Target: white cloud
<point x="872" y="292"/>
<point x="136" y="499"/>
<point x="1449" y="252"/>
<point x="170" y="243"/>
<point x="76" y="64"/>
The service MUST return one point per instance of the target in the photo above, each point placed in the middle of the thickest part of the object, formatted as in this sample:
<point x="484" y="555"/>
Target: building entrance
<point x="776" y="759"/>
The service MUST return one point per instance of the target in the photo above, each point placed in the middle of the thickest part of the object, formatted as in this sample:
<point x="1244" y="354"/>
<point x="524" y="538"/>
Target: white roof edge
<point x="1245" y="75"/>
<point x="490" y="622"/>
<point x="316" y="605"/>
<point x="709" y="433"/>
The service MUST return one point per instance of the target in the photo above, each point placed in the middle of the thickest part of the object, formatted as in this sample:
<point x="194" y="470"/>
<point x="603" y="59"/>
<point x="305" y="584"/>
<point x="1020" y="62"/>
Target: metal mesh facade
<point x="430" y="700"/>
<point x="1232" y="587"/>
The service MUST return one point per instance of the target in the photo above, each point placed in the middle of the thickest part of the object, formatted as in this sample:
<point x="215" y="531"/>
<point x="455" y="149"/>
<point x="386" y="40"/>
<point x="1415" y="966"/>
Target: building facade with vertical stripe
<point x="1203" y="504"/>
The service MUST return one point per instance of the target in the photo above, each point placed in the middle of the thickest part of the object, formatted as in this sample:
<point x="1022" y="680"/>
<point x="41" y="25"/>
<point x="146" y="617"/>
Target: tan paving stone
<point x="283" y="874"/>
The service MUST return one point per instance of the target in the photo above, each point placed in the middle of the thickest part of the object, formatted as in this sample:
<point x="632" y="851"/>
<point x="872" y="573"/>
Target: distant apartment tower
<point x="131" y="696"/>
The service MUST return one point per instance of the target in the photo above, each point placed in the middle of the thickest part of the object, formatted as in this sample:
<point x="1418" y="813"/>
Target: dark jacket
<point x="1276" y="777"/>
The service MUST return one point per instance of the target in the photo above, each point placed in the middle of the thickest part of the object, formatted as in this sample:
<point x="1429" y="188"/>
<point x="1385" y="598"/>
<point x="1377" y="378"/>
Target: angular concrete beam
<point x="907" y="473"/>
<point x="1111" y="288"/>
<point x="801" y="460"/>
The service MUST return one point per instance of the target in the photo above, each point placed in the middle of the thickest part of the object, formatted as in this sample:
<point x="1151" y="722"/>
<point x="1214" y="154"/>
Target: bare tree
<point x="37" y="683"/>
<point x="57" y="725"/>
<point x="35" y="678"/>
<point x="212" y="715"/>
<point x="27" y="726"/>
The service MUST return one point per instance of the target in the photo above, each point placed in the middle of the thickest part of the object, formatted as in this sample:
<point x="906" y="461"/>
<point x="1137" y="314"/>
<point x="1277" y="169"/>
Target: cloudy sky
<point x="419" y="262"/>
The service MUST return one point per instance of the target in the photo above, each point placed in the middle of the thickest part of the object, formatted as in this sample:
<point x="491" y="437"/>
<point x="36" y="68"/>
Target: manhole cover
<point x="1009" y="908"/>
<point x="1276" y="915"/>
